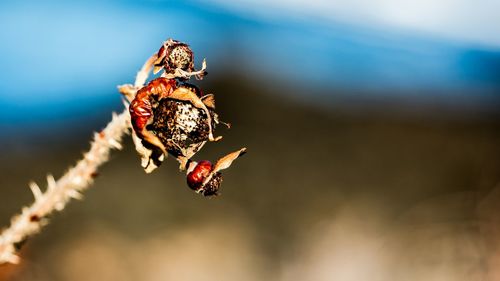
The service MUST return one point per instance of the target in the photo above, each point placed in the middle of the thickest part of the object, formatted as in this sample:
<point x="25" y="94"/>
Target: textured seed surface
<point x="178" y="123"/>
<point x="181" y="57"/>
<point x="212" y="187"/>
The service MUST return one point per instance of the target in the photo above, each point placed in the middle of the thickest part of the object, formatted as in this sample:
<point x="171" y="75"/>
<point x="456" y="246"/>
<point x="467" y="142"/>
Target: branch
<point x="203" y="176"/>
<point x="70" y="185"/>
<point x="59" y="192"/>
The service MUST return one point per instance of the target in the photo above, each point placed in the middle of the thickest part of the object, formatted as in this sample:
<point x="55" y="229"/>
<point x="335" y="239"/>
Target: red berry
<point x="196" y="177"/>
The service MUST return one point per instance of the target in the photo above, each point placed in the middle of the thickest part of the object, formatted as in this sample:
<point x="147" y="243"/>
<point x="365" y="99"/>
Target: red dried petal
<point x="196" y="177"/>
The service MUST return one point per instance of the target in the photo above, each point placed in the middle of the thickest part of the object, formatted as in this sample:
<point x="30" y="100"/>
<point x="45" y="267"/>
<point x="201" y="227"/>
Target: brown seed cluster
<point x="181" y="57"/>
<point x="211" y="188"/>
<point x="172" y="117"/>
<point x="175" y="55"/>
<point x="178" y="124"/>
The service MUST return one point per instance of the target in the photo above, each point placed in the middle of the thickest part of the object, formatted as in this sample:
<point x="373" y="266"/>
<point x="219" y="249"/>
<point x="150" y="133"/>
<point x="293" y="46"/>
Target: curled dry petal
<point x="226" y="161"/>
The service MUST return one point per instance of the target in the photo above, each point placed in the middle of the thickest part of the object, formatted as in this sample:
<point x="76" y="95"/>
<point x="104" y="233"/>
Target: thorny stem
<point x="70" y="185"/>
<point x="59" y="192"/>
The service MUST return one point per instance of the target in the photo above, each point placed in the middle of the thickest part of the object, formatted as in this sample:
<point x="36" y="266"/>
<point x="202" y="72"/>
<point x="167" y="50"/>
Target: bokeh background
<point x="372" y="127"/>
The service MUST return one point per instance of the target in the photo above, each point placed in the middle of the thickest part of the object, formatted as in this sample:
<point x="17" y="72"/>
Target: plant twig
<point x="202" y="177"/>
<point x="59" y="192"/>
<point x="70" y="185"/>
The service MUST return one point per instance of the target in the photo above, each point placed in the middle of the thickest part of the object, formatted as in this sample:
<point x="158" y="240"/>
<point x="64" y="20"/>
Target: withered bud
<point x="200" y="179"/>
<point x="211" y="187"/>
<point x="197" y="174"/>
<point x="179" y="124"/>
<point x="205" y="178"/>
<point x="175" y="55"/>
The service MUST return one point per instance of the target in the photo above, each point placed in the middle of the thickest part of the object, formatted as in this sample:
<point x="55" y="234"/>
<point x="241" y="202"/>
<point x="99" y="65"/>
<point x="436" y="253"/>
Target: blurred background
<point x="372" y="128"/>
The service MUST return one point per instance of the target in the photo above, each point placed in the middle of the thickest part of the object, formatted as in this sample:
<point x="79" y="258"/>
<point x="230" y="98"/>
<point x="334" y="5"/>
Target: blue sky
<point x="61" y="52"/>
<point x="472" y="21"/>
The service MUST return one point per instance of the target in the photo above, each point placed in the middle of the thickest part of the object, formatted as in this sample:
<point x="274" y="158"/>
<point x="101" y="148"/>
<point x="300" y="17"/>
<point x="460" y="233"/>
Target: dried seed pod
<point x="174" y="55"/>
<point x="171" y="118"/>
<point x="197" y="178"/>
<point x="205" y="178"/>
<point x="179" y="125"/>
<point x="168" y="118"/>
<point x="211" y="188"/>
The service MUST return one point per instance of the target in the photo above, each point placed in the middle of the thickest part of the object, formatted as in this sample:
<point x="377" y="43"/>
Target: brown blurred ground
<point x="322" y="194"/>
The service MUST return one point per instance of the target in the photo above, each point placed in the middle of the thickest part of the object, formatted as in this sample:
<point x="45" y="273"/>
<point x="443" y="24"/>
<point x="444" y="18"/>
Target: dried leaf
<point x="226" y="161"/>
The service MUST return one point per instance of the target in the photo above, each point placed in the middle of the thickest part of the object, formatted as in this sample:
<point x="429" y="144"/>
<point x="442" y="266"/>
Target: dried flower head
<point x="177" y="61"/>
<point x="205" y="178"/>
<point x="179" y="125"/>
<point x="170" y="117"/>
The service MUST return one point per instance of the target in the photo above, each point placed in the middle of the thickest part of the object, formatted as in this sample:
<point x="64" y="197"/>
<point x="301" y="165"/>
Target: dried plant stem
<point x="59" y="192"/>
<point x="71" y="184"/>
